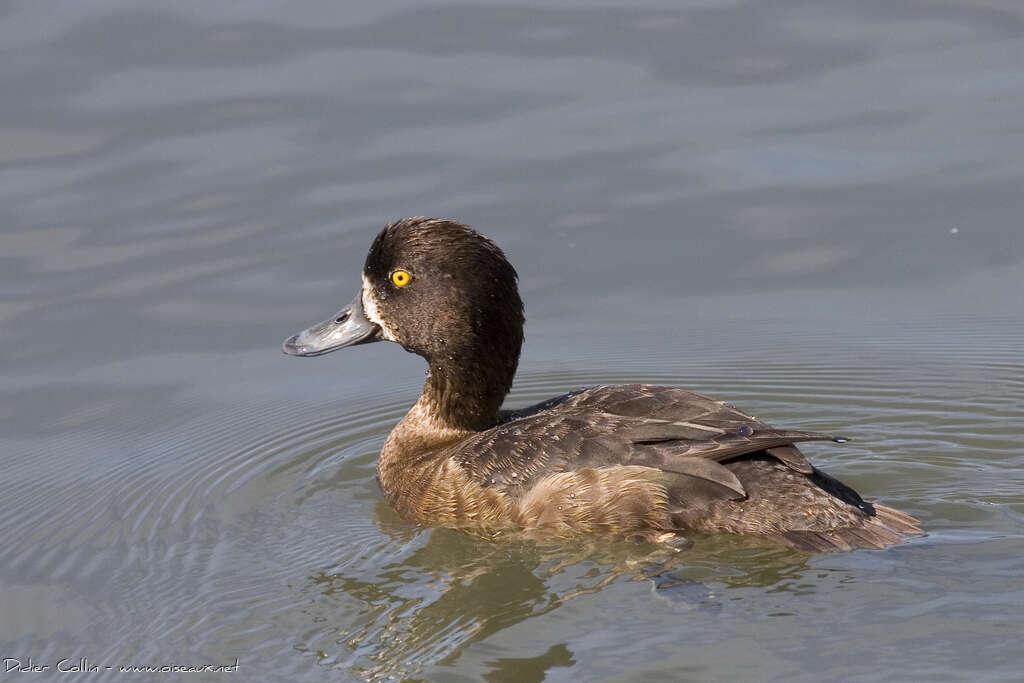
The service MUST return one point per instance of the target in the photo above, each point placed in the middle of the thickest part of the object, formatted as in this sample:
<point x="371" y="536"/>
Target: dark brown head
<point x="447" y="293"/>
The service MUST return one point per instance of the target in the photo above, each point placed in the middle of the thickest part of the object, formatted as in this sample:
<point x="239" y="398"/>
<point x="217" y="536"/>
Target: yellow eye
<point x="401" y="278"/>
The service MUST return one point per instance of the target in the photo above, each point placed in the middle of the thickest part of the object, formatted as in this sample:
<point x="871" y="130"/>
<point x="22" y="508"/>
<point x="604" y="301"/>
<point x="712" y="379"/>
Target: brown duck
<point x="643" y="461"/>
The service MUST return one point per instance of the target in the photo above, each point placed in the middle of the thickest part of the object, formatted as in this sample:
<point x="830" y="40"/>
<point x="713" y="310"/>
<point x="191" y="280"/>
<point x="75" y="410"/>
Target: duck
<point x="644" y="462"/>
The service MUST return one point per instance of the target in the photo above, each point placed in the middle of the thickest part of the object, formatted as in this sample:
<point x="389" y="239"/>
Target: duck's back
<point x="641" y="459"/>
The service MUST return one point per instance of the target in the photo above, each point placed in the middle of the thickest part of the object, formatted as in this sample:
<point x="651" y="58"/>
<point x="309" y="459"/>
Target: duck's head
<point x="441" y="290"/>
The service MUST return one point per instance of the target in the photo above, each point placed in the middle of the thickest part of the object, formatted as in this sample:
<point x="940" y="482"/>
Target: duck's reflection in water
<point x="426" y="595"/>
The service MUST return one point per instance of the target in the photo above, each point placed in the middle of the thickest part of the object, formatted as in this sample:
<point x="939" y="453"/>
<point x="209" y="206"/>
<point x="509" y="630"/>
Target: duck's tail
<point x="885" y="527"/>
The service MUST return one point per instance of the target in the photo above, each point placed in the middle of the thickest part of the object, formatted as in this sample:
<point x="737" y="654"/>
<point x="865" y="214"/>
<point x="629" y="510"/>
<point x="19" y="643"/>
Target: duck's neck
<point x="464" y="393"/>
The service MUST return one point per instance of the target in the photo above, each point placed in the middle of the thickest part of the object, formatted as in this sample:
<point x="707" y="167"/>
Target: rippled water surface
<point x="813" y="210"/>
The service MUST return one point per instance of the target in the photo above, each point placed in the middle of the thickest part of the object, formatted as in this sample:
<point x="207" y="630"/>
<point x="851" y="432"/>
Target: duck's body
<point x="639" y="460"/>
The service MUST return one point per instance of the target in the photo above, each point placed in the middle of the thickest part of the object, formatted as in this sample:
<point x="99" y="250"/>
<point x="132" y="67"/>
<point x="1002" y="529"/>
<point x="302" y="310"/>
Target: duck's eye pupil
<point x="401" y="278"/>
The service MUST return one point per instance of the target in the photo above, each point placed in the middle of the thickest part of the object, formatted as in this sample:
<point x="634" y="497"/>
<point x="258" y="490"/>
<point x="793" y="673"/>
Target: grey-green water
<point x="813" y="210"/>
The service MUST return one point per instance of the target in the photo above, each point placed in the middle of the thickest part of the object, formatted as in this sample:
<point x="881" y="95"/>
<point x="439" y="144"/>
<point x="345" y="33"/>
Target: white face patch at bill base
<point x="372" y="311"/>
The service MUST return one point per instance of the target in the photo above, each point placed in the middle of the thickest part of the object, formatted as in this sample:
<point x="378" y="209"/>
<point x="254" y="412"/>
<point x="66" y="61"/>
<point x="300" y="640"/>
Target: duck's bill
<point x="347" y="328"/>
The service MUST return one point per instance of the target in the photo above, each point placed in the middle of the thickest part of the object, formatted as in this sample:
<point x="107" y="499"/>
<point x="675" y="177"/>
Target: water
<point x="813" y="211"/>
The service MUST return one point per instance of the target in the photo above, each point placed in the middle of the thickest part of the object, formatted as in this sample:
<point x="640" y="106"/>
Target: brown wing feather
<point x="661" y="427"/>
<point x="724" y="470"/>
